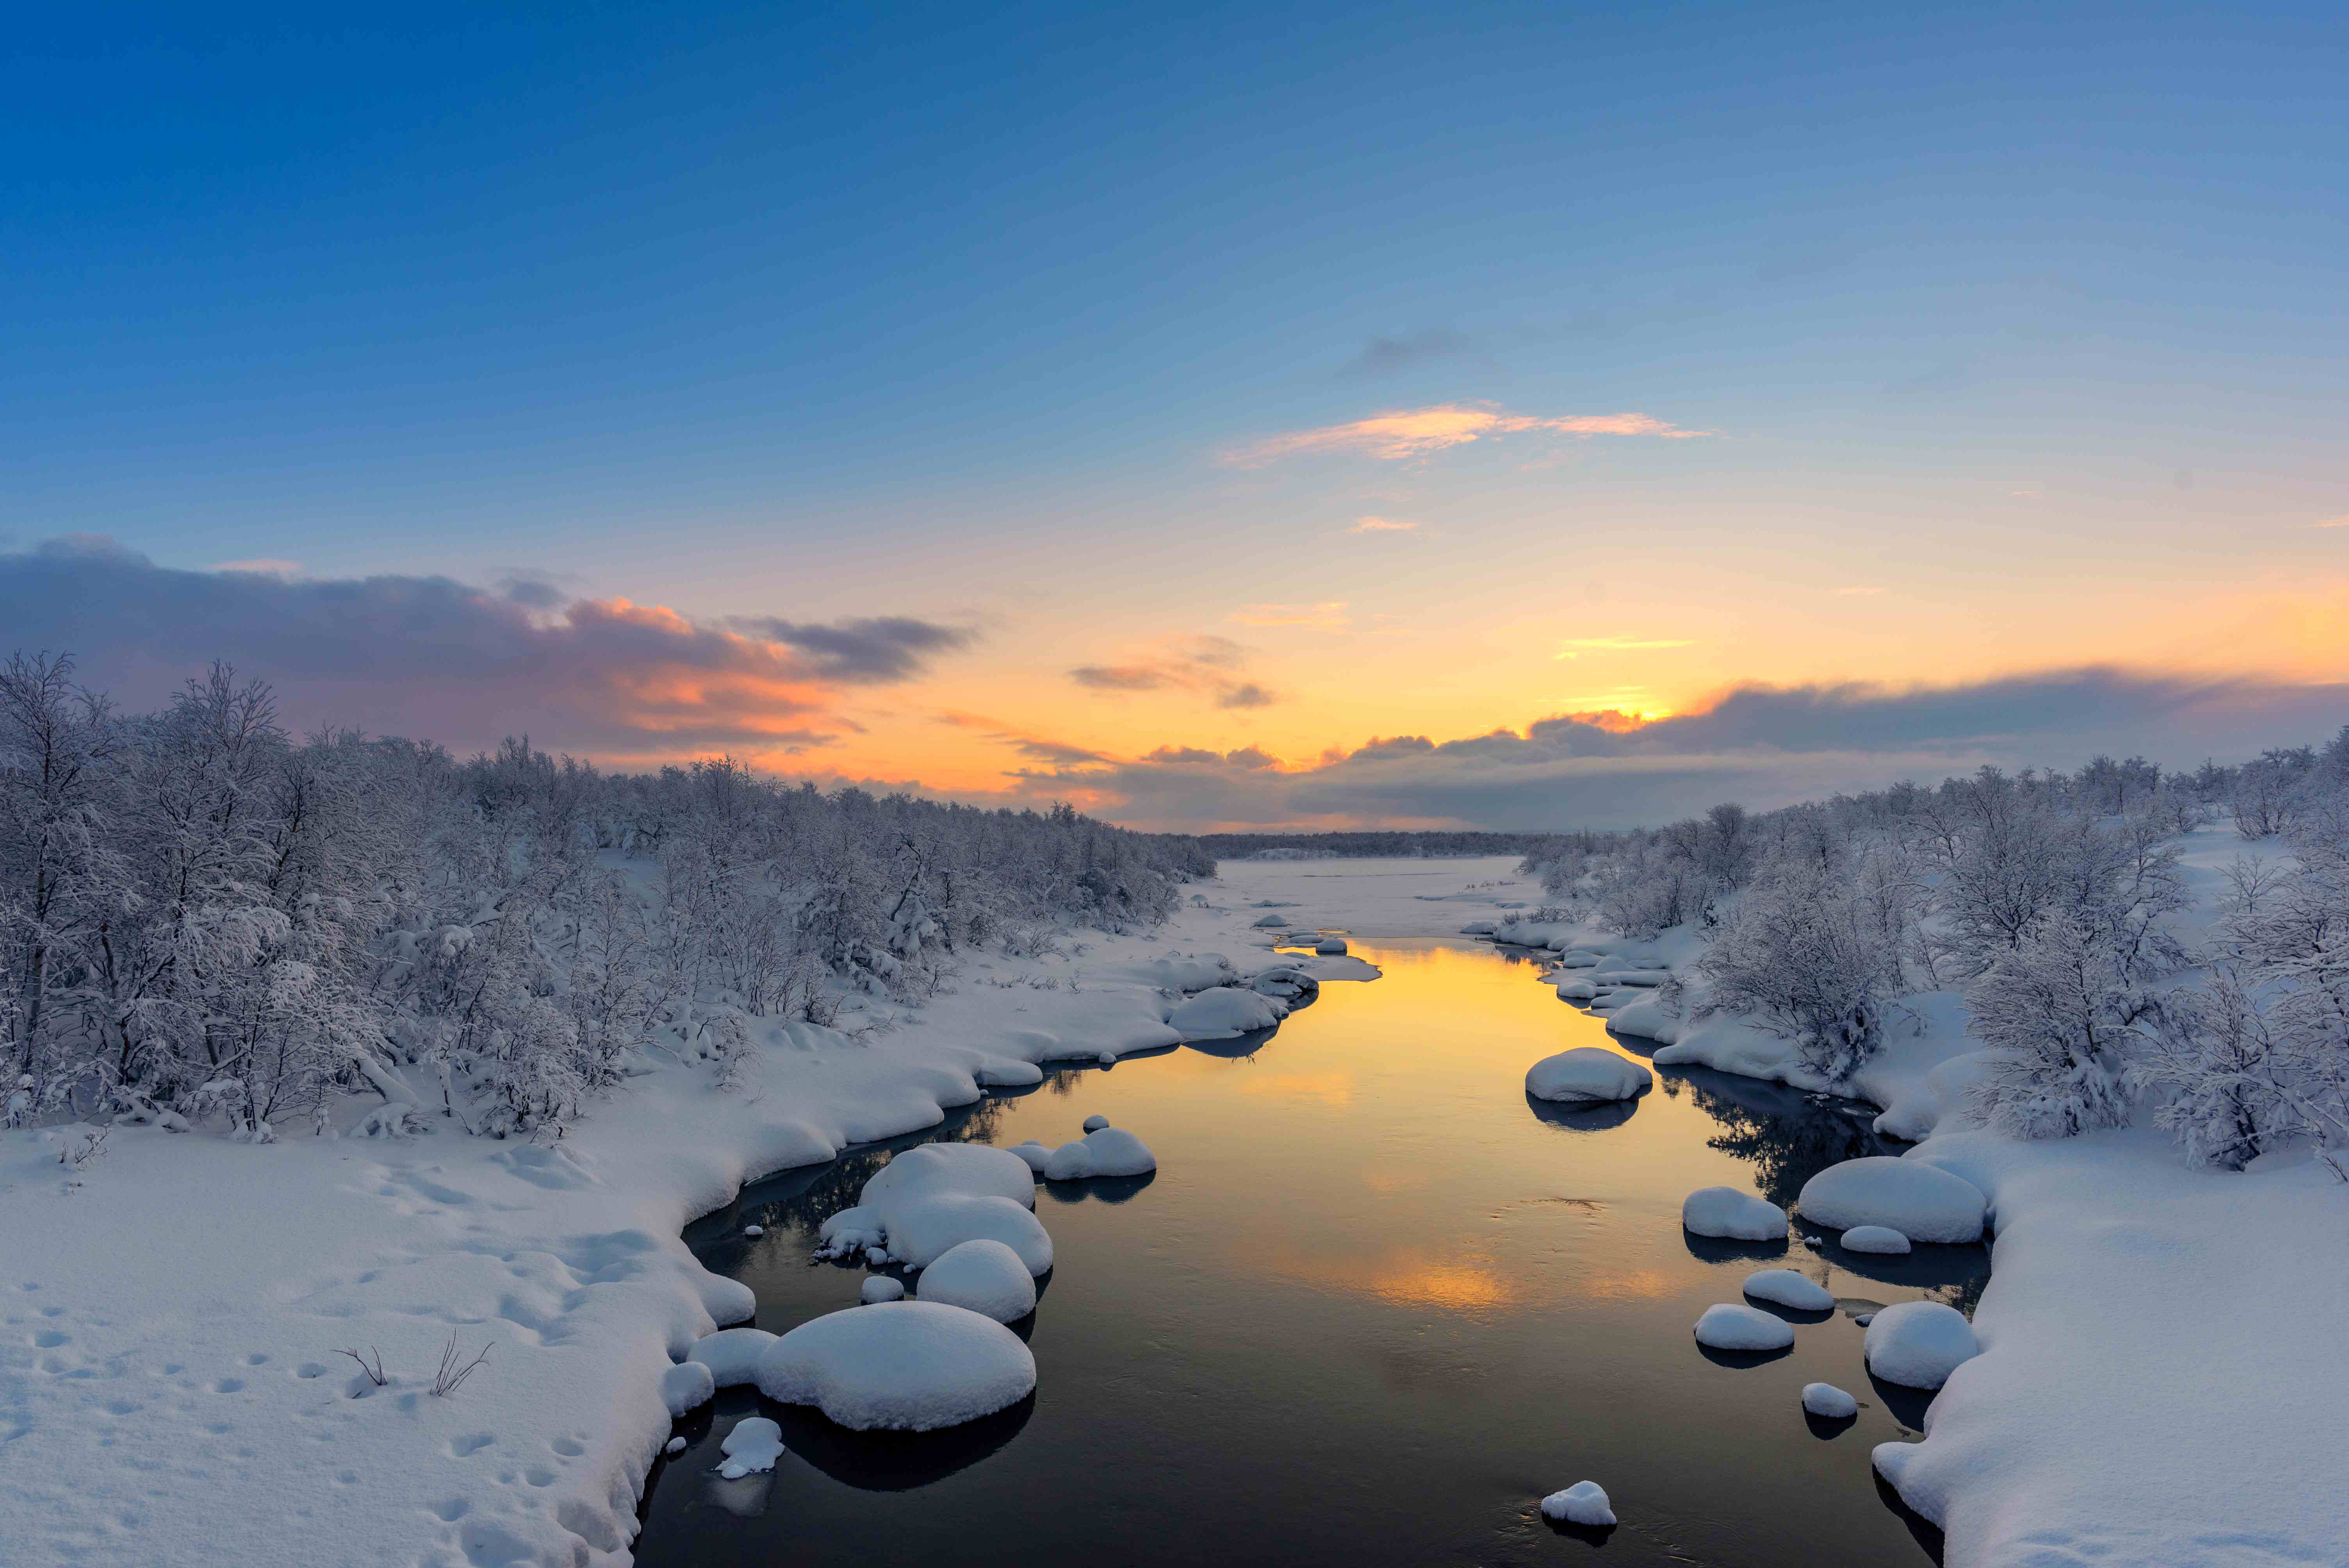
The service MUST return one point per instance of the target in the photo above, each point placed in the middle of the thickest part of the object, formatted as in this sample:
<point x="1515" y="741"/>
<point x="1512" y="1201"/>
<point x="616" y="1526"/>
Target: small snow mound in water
<point x="1918" y="1344"/>
<point x="754" y="1445"/>
<point x="1788" y="1288"/>
<point x="1223" y="1012"/>
<point x="1727" y="1326"/>
<point x="908" y="1365"/>
<point x="1584" y="1502"/>
<point x="985" y="1277"/>
<point x="1271" y="922"/>
<point x="1576" y="991"/>
<point x="1863" y="1319"/>
<point x="1923" y="1202"/>
<point x="1106" y="1152"/>
<point x="731" y="1354"/>
<point x="1874" y="1239"/>
<point x="685" y="1387"/>
<point x="881" y="1288"/>
<point x="1738" y="1216"/>
<point x="935" y="1196"/>
<point x="1285" y="982"/>
<point x="674" y="1446"/>
<point x="754" y="1230"/>
<point x="1827" y="1399"/>
<point x="1034" y="1154"/>
<point x="1587" y="1074"/>
<point x="1096" y="1123"/>
<point x="1331" y="946"/>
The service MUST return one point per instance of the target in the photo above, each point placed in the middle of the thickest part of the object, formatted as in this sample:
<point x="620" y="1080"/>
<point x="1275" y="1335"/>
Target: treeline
<point x="2051" y="900"/>
<point x="202" y="916"/>
<point x="1439" y="842"/>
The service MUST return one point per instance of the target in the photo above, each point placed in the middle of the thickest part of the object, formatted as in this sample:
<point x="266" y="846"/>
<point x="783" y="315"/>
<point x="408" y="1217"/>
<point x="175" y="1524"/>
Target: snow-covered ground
<point x="2163" y="1353"/>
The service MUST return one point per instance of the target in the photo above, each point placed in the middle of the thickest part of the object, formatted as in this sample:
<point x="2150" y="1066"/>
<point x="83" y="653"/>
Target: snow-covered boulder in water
<point x="1918" y="1344"/>
<point x="1105" y="1151"/>
<point x="985" y="1277"/>
<point x="1576" y="990"/>
<point x="731" y="1354"/>
<point x="1875" y="1239"/>
<point x="1096" y="1123"/>
<point x="1727" y="1326"/>
<point x="1584" y="1502"/>
<point x="1222" y="1012"/>
<point x="1788" y="1289"/>
<point x="1923" y="1202"/>
<point x="1286" y="983"/>
<point x="1331" y="946"/>
<point x="1736" y="1216"/>
<point x="1587" y="1074"/>
<point x="933" y="1197"/>
<point x="1827" y="1399"/>
<point x="969" y="1169"/>
<point x="922" y="1229"/>
<point x="751" y="1447"/>
<point x="1033" y="1154"/>
<point x="686" y="1387"/>
<point x="909" y="1366"/>
<point x="1271" y="922"/>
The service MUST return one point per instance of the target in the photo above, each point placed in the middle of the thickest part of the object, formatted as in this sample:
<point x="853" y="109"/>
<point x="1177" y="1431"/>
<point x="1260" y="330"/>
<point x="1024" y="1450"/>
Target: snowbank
<point x="1105" y="1151"/>
<point x="1918" y="1344"/>
<point x="1585" y="1502"/>
<point x="1220" y="1013"/>
<point x="1727" y="1212"/>
<point x="1588" y="1073"/>
<point x="1789" y="1289"/>
<point x="1727" y="1326"/>
<point x="985" y="1277"/>
<point x="1921" y="1201"/>
<point x="909" y="1366"/>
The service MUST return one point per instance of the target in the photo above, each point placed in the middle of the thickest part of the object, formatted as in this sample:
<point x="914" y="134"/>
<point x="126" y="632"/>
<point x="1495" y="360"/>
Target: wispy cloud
<point x="261" y="566"/>
<point x="1202" y="664"/>
<point x="1330" y="615"/>
<point x="1404" y="434"/>
<point x="1384" y="355"/>
<point x="1574" y="647"/>
<point x="1381" y="525"/>
<point x="2341" y="522"/>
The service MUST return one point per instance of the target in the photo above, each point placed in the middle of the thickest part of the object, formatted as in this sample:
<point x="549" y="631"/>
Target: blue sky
<point x="2020" y="327"/>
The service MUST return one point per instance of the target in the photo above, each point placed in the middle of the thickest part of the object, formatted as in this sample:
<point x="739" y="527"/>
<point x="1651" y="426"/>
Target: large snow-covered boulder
<point x="1223" y="1011"/>
<point x="1033" y="1154"/>
<point x="937" y="1195"/>
<point x="1736" y="1216"/>
<point x="1576" y="990"/>
<point x="971" y="1170"/>
<point x="1105" y="1151"/>
<point x="1587" y="1073"/>
<point x="919" y="1230"/>
<point x="909" y="1366"/>
<point x="985" y="1277"/>
<point x="1331" y="946"/>
<point x="1923" y="1202"/>
<point x="1285" y="982"/>
<point x="731" y="1354"/>
<point x="1271" y="922"/>
<point x="1918" y="1344"/>
<point x="1788" y="1289"/>
<point x="879" y="1288"/>
<point x="1729" y="1325"/>
<point x="1584" y="1502"/>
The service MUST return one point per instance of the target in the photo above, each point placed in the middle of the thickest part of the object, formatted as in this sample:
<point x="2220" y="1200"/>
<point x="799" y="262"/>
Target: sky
<point x="1220" y="417"/>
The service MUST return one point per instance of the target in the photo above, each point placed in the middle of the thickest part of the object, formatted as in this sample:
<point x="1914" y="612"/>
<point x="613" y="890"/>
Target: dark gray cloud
<point x="1117" y="677"/>
<point x="435" y="658"/>
<point x="877" y="652"/>
<point x="1247" y="694"/>
<point x="1210" y="664"/>
<point x="1385" y="355"/>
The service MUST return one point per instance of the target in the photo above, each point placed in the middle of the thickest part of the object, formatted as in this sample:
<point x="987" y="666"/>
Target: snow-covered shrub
<point x="2063" y="1013"/>
<point x="1804" y="951"/>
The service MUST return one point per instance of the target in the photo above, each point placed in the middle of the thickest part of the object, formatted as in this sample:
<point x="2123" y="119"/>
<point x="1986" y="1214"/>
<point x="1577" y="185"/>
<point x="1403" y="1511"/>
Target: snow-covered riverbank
<point x="2162" y="1361"/>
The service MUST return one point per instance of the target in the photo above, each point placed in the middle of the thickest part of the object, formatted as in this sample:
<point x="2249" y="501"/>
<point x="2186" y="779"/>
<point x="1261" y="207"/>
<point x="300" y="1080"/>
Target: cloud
<point x="2341" y="522"/>
<point x="1574" y="647"/>
<point x="882" y="651"/>
<point x="439" y="659"/>
<point x="1190" y="664"/>
<point x="1385" y="355"/>
<point x="1381" y="525"/>
<point x="1330" y="615"/>
<point x="1763" y="744"/>
<point x="262" y="566"/>
<point x="1406" y="434"/>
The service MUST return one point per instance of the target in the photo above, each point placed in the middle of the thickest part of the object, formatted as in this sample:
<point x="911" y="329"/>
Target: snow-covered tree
<point x="2063" y="1014"/>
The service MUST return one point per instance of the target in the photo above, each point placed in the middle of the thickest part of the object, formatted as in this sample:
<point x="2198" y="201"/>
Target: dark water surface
<point x="1372" y="1306"/>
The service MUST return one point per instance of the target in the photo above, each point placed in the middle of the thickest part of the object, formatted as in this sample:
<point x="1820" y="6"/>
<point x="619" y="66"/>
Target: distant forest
<point x="1238" y="846"/>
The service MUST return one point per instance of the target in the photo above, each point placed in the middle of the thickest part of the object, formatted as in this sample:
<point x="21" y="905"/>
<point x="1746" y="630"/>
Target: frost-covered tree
<point x="1805" y="949"/>
<point x="2063" y="1015"/>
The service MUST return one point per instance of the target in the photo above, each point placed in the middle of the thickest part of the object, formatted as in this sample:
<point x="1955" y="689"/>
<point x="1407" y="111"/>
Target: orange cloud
<point x="1405" y="434"/>
<point x="1330" y="615"/>
<point x="1381" y="525"/>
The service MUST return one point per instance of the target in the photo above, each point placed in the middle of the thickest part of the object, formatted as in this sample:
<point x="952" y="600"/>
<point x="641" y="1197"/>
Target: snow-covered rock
<point x="985" y="1277"/>
<point x="1827" y="1399"/>
<point x="1875" y="1239"/>
<point x="937" y="1195"/>
<point x="1331" y="945"/>
<point x="1643" y="978"/>
<point x="1922" y="1201"/>
<point x="1286" y="983"/>
<point x="1096" y="1123"/>
<point x="922" y="1229"/>
<point x="1105" y="1151"/>
<point x="968" y="1169"/>
<point x="1198" y="973"/>
<point x="1639" y="1013"/>
<point x="911" y="1366"/>
<point x="1580" y="958"/>
<point x="754" y="1230"/>
<point x="1588" y="1073"/>
<point x="686" y="1386"/>
<point x="1727" y="1212"/>
<point x="1271" y="922"/>
<point x="1479" y="928"/>
<point x="751" y="1447"/>
<point x="1584" y="1502"/>
<point x="1033" y="1154"/>
<point x="1728" y="1325"/>
<point x="881" y="1287"/>
<point x="1220" y="1013"/>
<point x="1918" y="1344"/>
<point x="1789" y="1289"/>
<point x="1576" y="990"/>
<point x="731" y="1354"/>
